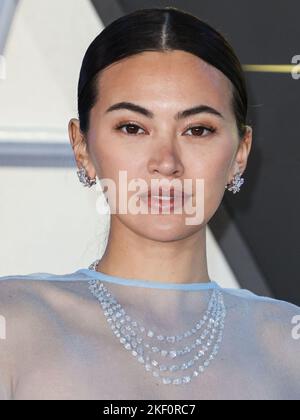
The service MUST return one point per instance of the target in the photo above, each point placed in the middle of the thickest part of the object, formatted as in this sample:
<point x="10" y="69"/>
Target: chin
<point x="162" y="228"/>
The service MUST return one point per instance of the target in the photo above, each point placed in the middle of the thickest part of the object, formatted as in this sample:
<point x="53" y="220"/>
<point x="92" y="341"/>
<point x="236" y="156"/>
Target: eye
<point x="199" y="130"/>
<point x="132" y="128"/>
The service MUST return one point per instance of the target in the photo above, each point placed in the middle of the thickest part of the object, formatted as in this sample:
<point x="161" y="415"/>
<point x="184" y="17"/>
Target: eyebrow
<point x="179" y="116"/>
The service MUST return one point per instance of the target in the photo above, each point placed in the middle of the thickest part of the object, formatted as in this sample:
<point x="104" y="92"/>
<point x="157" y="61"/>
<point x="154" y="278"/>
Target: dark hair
<point x="159" y="29"/>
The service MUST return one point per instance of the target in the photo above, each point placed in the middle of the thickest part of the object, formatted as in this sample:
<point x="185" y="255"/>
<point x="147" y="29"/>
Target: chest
<point x="75" y="366"/>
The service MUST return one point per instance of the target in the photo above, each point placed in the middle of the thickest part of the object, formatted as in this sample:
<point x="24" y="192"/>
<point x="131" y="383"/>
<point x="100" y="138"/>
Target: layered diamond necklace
<point x="160" y="354"/>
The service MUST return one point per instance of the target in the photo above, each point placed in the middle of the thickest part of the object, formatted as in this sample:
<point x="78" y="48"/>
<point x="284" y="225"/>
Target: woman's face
<point x="162" y="146"/>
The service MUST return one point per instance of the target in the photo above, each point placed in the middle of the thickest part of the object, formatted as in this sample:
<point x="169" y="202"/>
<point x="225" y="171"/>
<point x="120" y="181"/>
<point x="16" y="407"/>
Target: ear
<point x="79" y="146"/>
<point x="242" y="153"/>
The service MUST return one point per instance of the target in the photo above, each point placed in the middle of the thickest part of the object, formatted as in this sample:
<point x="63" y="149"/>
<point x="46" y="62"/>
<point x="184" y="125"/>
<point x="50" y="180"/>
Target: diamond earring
<point x="85" y="179"/>
<point x="235" y="184"/>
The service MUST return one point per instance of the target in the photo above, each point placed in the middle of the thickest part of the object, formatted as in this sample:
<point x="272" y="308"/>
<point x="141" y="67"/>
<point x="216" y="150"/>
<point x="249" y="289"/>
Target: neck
<point x="130" y="255"/>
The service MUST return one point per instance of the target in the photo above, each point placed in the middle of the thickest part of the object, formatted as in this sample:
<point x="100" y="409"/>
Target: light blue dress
<point x="259" y="354"/>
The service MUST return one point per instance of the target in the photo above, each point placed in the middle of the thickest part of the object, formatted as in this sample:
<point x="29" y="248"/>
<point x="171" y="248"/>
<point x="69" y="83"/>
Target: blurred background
<point x="49" y="222"/>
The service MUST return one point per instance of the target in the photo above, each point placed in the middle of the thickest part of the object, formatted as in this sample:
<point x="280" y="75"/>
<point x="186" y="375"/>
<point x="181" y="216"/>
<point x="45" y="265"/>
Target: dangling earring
<point x="235" y="184"/>
<point x="85" y="179"/>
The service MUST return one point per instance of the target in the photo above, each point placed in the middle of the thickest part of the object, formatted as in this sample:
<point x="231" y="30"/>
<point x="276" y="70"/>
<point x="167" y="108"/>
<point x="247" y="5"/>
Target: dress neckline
<point x="99" y="275"/>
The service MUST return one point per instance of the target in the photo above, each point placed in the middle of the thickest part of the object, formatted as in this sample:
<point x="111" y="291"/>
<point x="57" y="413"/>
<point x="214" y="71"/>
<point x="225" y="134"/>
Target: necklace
<point x="144" y="344"/>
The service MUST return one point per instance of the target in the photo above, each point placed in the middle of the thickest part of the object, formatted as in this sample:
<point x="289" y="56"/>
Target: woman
<point x="161" y="96"/>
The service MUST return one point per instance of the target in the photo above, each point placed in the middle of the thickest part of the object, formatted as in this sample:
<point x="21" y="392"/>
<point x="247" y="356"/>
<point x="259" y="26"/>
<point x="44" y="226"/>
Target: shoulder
<point x="23" y="296"/>
<point x="17" y="305"/>
<point x="35" y="298"/>
<point x="29" y="306"/>
<point x="18" y="297"/>
<point x="270" y="314"/>
<point x="24" y="301"/>
<point x="266" y="308"/>
<point x="275" y="327"/>
<point x="22" y="293"/>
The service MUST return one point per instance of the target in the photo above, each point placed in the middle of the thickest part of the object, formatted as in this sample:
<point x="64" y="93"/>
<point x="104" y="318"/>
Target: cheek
<point x="213" y="164"/>
<point x="219" y="164"/>
<point x="111" y="155"/>
<point x="109" y="160"/>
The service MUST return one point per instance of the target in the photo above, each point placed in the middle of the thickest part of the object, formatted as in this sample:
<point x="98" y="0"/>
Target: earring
<point x="235" y="184"/>
<point x="85" y="179"/>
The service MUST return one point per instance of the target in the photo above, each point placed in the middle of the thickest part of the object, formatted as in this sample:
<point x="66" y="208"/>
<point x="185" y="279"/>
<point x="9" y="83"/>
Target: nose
<point x="165" y="161"/>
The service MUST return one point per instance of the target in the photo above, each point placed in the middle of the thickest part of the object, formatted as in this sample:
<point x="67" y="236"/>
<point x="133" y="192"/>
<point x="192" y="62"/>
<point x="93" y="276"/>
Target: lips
<point x="172" y="199"/>
<point x="173" y="193"/>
